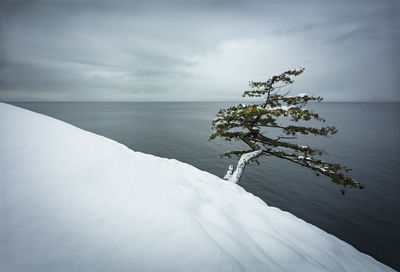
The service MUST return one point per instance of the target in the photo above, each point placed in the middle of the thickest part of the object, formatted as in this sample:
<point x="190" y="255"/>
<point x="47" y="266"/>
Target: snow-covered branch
<point x="234" y="176"/>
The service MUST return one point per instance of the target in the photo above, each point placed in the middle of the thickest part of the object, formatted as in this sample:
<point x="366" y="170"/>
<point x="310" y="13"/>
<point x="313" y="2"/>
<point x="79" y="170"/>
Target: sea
<point x="368" y="141"/>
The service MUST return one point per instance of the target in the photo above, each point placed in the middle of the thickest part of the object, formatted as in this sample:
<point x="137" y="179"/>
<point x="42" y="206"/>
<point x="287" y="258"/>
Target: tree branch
<point x="234" y="177"/>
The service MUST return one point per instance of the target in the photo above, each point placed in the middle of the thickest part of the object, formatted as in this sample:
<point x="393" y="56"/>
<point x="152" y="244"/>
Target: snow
<point x="75" y="201"/>
<point x="302" y="94"/>
<point x="229" y="173"/>
<point x="324" y="169"/>
<point x="285" y="108"/>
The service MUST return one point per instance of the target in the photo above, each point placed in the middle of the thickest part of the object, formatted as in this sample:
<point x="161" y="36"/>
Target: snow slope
<point x="75" y="201"/>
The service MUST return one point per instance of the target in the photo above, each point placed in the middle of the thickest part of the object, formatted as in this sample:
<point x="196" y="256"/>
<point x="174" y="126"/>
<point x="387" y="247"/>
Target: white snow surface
<point x="75" y="201"/>
<point x="302" y="94"/>
<point x="285" y="108"/>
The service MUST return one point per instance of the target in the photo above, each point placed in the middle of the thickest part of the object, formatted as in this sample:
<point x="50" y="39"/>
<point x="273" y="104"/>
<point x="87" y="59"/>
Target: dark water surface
<point x="368" y="142"/>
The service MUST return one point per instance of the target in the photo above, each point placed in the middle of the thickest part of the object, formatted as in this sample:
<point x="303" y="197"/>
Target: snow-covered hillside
<point x="75" y="201"/>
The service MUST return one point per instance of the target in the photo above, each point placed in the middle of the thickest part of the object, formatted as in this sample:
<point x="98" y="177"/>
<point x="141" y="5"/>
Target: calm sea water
<point x="368" y="142"/>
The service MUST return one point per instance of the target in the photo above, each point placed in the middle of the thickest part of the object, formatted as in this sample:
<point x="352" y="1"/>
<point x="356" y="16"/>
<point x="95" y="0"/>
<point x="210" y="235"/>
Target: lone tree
<point x="268" y="128"/>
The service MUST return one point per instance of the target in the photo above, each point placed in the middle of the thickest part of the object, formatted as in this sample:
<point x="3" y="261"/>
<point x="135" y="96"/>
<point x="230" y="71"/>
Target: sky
<point x="197" y="50"/>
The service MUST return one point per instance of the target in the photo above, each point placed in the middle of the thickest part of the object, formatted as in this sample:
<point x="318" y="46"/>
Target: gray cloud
<point x="195" y="50"/>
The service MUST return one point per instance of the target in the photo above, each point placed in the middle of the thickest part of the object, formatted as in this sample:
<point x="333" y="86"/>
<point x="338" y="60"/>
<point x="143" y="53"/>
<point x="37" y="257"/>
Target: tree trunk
<point x="234" y="176"/>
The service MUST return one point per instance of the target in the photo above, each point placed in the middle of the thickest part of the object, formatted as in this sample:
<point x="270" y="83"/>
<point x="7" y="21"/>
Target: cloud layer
<point x="196" y="50"/>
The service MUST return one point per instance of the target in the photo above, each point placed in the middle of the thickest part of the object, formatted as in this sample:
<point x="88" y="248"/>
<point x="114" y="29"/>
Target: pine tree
<point x="278" y="114"/>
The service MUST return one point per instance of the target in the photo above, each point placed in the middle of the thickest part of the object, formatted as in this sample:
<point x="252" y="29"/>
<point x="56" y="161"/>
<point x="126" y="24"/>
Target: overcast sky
<point x="196" y="50"/>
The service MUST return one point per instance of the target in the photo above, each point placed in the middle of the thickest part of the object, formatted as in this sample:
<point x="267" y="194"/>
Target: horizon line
<point x="182" y="101"/>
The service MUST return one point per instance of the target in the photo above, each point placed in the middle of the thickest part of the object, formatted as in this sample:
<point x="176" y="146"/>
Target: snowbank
<point x="75" y="201"/>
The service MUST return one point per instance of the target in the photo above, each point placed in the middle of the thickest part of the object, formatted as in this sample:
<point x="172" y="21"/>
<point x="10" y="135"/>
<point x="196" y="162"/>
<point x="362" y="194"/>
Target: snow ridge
<point x="75" y="201"/>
